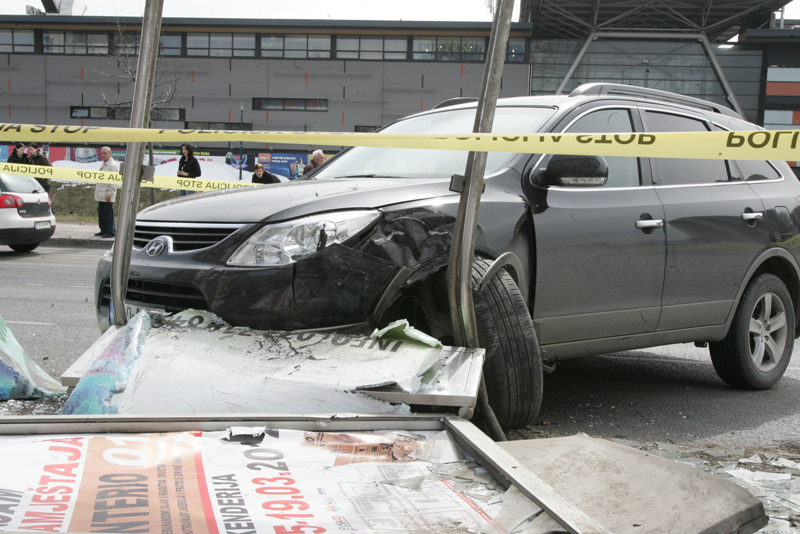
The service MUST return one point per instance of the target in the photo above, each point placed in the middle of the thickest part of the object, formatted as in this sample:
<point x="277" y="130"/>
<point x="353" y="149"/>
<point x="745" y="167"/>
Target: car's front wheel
<point x="24" y="248"/>
<point x="757" y="349"/>
<point x="513" y="366"/>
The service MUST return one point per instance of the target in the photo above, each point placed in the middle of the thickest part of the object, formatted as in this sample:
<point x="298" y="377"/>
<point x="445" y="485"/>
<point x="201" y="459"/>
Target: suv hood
<point x="274" y="203"/>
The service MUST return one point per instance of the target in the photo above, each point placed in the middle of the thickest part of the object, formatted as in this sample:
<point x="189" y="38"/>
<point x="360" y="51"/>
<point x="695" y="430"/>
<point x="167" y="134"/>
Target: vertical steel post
<point x="459" y="275"/>
<point x="140" y="118"/>
<point x="241" y="127"/>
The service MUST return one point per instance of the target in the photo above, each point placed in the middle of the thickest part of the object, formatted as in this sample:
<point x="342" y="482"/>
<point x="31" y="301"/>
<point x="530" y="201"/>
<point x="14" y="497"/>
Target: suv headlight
<point x="286" y="242"/>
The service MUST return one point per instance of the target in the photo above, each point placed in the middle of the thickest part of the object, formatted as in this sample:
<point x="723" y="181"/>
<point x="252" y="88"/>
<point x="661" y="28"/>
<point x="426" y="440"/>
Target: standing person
<point x="105" y="194"/>
<point x="188" y="166"/>
<point x="38" y="158"/>
<point x="18" y="155"/>
<point x="317" y="159"/>
<point x="263" y="176"/>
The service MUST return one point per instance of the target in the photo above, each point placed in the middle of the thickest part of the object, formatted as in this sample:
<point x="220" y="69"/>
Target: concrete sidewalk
<point x="77" y="235"/>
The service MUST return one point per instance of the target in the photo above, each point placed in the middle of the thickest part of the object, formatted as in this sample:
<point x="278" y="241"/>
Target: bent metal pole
<point x="140" y="118"/>
<point x="459" y="278"/>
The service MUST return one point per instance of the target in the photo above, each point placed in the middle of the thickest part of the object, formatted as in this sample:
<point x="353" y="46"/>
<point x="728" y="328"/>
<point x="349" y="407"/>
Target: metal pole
<point x="575" y="63"/>
<point x="712" y="57"/>
<point x="459" y="277"/>
<point x="241" y="127"/>
<point x="140" y="118"/>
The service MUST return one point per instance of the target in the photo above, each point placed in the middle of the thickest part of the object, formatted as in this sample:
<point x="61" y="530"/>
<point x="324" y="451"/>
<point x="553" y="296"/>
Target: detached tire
<point x="24" y="248"/>
<point x="513" y="366"/>
<point x="758" y="347"/>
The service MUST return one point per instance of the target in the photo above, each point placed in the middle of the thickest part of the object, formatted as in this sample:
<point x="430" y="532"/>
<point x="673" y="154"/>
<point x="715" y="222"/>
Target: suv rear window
<point x="19" y="184"/>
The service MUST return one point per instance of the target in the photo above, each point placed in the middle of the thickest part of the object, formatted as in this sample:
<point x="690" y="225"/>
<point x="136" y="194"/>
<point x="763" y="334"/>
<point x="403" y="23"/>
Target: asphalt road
<point x="665" y="394"/>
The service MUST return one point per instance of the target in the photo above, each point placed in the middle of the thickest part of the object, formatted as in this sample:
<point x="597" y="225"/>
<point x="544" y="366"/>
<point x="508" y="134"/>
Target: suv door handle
<point x="644" y="224"/>
<point x="752" y="216"/>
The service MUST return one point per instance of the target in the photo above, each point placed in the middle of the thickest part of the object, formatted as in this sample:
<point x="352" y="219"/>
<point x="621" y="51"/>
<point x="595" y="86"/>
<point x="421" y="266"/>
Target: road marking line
<point x="30" y="322"/>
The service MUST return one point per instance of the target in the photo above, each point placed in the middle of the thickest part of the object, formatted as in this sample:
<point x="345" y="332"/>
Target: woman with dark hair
<point x="263" y="176"/>
<point x="188" y="166"/>
<point x="18" y="155"/>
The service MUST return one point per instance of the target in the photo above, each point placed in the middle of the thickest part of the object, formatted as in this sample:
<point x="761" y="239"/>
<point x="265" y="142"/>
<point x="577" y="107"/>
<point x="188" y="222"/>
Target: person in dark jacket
<point x="38" y="158"/>
<point x="263" y="176"/>
<point x="18" y="155"/>
<point x="317" y="159"/>
<point x="188" y="166"/>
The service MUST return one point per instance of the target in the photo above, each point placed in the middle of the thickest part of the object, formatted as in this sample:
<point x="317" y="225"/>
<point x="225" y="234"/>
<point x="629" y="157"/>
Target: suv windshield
<point x="422" y="163"/>
<point x="19" y="184"/>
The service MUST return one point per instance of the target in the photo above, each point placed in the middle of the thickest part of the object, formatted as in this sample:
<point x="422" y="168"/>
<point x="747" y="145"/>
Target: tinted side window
<point x="754" y="170"/>
<point x="674" y="171"/>
<point x="622" y="171"/>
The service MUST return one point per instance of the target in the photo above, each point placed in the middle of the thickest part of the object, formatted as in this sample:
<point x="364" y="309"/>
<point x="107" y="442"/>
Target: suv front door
<point x="597" y="274"/>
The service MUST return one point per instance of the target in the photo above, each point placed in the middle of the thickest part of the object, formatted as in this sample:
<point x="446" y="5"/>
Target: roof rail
<point x="588" y="89"/>
<point x="455" y="101"/>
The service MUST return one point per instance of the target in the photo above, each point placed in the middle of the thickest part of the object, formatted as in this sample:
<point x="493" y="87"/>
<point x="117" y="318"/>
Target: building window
<point x="196" y="125"/>
<point x="515" y="53"/>
<point x="464" y="49"/>
<point x="18" y="41"/>
<point x="371" y="47"/>
<point x="296" y="46"/>
<point x="365" y="129"/>
<point x="291" y="104"/>
<point x="126" y="44"/>
<point x="169" y="44"/>
<point x="221" y="44"/>
<point x="74" y="42"/>
<point x="124" y="113"/>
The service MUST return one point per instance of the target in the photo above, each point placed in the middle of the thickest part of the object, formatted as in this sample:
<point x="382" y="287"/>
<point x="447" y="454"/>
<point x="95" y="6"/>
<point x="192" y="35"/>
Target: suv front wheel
<point x="757" y="349"/>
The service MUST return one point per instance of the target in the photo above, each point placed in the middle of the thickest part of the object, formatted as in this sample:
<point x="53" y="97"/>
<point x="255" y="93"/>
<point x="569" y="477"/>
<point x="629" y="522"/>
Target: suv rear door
<point x="597" y="274"/>
<point x="713" y="235"/>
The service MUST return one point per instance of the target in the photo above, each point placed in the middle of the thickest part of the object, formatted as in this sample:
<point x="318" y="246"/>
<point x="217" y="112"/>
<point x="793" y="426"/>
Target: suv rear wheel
<point x="757" y="349"/>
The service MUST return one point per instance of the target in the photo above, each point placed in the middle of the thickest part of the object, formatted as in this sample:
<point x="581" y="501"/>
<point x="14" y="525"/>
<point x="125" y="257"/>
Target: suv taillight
<point x="10" y="201"/>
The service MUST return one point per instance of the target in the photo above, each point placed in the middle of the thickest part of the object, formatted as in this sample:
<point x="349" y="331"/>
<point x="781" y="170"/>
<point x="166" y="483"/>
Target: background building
<point x="322" y="75"/>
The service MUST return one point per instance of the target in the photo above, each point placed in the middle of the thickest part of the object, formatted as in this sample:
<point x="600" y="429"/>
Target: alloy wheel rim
<point x="768" y="332"/>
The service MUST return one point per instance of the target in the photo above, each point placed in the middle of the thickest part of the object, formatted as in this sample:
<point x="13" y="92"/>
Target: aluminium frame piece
<point x="701" y="37"/>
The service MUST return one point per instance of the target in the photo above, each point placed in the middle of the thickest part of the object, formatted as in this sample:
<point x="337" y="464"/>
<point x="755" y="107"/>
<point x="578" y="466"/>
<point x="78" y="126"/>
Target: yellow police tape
<point x="755" y="145"/>
<point x="98" y="177"/>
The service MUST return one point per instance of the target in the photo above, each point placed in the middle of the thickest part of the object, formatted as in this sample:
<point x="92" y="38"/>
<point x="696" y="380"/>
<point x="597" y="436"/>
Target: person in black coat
<point x="188" y="166"/>
<point x="263" y="176"/>
<point x="18" y="155"/>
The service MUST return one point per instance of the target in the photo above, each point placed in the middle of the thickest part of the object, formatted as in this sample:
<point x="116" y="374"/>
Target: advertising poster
<point x="283" y="163"/>
<point x="243" y="481"/>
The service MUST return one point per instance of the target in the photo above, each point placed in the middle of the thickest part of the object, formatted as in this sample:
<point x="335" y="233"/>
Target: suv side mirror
<point x="572" y="171"/>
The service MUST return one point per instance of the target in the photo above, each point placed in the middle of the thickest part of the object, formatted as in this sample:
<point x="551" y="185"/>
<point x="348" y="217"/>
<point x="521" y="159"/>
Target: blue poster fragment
<point x="109" y="372"/>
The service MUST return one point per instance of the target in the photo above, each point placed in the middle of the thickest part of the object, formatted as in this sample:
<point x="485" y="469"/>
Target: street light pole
<point x="241" y="127"/>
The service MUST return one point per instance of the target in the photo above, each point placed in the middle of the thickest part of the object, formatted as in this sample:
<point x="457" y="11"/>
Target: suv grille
<point x="149" y="294"/>
<point x="185" y="237"/>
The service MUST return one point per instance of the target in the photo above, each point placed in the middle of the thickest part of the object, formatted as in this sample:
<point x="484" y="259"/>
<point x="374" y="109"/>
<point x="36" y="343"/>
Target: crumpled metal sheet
<point x="20" y="377"/>
<point x="193" y="362"/>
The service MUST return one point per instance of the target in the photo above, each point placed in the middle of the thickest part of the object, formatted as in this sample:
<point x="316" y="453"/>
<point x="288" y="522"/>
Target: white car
<point x="26" y="215"/>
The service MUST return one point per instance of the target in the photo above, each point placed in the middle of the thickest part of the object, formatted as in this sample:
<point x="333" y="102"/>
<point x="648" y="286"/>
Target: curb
<point x="78" y="243"/>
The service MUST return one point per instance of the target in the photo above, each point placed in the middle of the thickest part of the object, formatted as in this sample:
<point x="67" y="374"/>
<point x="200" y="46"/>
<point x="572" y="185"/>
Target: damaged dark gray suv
<point x="639" y="252"/>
